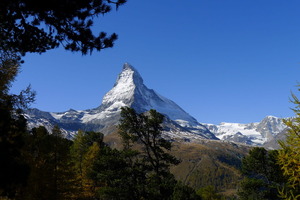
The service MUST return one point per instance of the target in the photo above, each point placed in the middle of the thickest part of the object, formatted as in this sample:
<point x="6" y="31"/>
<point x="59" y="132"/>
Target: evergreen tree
<point x="48" y="156"/>
<point x="254" y="189"/>
<point x="41" y="180"/>
<point x="13" y="168"/>
<point x="62" y="172"/>
<point x="263" y="175"/>
<point x="115" y="178"/>
<point x="89" y="187"/>
<point x="184" y="192"/>
<point x="145" y="129"/>
<point x="209" y="193"/>
<point x="37" y="26"/>
<point x="84" y="151"/>
<point x="289" y="155"/>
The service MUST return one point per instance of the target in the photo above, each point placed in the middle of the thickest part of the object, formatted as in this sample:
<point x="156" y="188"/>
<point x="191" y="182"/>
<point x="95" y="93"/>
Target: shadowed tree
<point x="209" y="193"/>
<point x="263" y="175"/>
<point x="37" y="26"/>
<point x="85" y="149"/>
<point x="13" y="168"/>
<point x="145" y="130"/>
<point x="48" y="156"/>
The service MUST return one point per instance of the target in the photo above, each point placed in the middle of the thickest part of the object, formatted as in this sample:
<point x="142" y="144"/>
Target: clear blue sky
<point x="220" y="60"/>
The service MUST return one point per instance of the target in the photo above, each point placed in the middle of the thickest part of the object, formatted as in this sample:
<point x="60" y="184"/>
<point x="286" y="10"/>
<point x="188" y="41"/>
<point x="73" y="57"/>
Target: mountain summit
<point x="129" y="80"/>
<point x="128" y="90"/>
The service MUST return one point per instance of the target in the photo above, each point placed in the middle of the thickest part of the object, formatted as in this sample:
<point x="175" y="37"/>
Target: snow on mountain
<point x="128" y="90"/>
<point x="253" y="133"/>
<point x="270" y="127"/>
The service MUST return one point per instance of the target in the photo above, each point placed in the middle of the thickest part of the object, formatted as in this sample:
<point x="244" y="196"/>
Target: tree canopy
<point x="37" y="26"/>
<point x="13" y="168"/>
<point x="289" y="155"/>
<point x="262" y="175"/>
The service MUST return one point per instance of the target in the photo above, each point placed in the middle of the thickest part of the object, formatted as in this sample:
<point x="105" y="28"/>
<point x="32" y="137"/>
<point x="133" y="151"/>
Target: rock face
<point x="129" y="90"/>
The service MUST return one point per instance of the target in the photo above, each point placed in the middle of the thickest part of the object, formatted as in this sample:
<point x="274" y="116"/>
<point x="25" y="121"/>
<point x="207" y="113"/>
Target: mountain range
<point x="130" y="90"/>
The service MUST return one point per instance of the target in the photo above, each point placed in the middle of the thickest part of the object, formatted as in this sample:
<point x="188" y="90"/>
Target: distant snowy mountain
<point x="257" y="133"/>
<point x="129" y="90"/>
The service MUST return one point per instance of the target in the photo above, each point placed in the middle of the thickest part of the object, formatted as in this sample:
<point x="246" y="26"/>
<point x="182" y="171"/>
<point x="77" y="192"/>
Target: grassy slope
<point x="207" y="162"/>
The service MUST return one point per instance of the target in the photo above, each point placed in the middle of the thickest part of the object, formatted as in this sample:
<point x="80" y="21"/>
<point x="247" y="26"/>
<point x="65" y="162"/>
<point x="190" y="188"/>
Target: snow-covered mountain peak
<point x="271" y="125"/>
<point x="128" y="66"/>
<point x="124" y="88"/>
<point x="270" y="117"/>
<point x="129" y="90"/>
<point x="256" y="133"/>
<point x="129" y="75"/>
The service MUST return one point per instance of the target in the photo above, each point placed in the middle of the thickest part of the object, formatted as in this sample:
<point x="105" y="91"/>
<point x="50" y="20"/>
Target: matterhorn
<point x="128" y="90"/>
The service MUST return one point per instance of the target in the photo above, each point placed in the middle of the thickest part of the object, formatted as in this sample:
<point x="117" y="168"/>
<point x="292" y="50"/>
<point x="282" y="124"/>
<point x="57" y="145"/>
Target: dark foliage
<point x="263" y="175"/>
<point x="144" y="131"/>
<point x="13" y="168"/>
<point x="37" y="26"/>
<point x="48" y="156"/>
<point x="184" y="192"/>
<point x="115" y="177"/>
<point x="209" y="193"/>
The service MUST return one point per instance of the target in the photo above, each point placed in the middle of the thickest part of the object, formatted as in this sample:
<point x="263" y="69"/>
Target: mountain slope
<point x="129" y="90"/>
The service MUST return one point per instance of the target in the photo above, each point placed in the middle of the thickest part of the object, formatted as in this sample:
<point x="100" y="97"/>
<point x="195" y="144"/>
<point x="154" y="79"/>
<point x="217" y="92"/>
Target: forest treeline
<point x="86" y="168"/>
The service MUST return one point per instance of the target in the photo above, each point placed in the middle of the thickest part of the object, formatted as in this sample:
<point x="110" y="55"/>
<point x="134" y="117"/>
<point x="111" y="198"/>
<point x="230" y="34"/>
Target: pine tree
<point x="114" y="177"/>
<point x="209" y="193"/>
<point x="184" y="192"/>
<point x="91" y="155"/>
<point x="289" y="155"/>
<point x="48" y="156"/>
<point x="37" y="26"/>
<point x="262" y="175"/>
<point x="62" y="171"/>
<point x="145" y="130"/>
<point x="40" y="158"/>
<point x="85" y="148"/>
<point x="78" y="150"/>
<point x="13" y="168"/>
